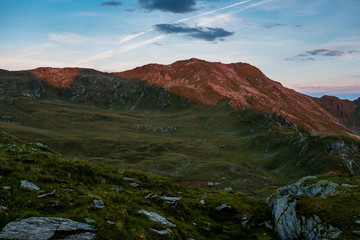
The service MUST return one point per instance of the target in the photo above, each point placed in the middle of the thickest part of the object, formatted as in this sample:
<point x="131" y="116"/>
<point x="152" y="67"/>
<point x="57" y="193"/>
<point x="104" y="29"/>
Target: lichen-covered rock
<point x="43" y="228"/>
<point x="291" y="226"/>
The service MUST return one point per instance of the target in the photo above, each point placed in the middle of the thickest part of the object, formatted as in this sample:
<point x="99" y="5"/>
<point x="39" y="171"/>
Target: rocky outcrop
<point x="57" y="77"/>
<point x="43" y="228"/>
<point x="288" y="224"/>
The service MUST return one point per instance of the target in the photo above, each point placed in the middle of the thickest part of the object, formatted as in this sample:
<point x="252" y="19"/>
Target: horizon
<point x="313" y="48"/>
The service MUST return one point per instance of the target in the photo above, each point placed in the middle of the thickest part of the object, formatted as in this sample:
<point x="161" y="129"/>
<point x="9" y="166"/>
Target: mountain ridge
<point x="243" y="84"/>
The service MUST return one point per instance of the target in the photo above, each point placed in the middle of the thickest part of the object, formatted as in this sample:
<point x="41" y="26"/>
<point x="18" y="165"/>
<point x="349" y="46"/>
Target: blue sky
<point x="311" y="46"/>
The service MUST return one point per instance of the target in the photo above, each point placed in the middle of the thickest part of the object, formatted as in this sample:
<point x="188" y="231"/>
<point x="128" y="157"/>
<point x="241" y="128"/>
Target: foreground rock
<point x="157" y="218"/>
<point x="291" y="226"/>
<point x="29" y="185"/>
<point x="43" y="228"/>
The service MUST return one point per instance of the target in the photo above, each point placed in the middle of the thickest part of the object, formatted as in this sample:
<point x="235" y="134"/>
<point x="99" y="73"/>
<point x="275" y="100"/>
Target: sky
<point x="310" y="46"/>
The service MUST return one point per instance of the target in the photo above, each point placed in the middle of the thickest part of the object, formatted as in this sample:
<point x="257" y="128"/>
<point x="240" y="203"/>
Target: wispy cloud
<point x="275" y="25"/>
<point x="123" y="49"/>
<point x="325" y="52"/>
<point x="310" y="54"/>
<point x="67" y="37"/>
<point x="204" y="33"/>
<point x="29" y="51"/>
<point x="175" y="6"/>
<point x="112" y="4"/>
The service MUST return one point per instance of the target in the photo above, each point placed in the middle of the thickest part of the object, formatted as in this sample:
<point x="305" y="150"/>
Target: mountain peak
<point x="244" y="85"/>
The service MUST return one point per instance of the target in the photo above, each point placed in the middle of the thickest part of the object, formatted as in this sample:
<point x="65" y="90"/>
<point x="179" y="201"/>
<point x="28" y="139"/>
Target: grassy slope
<point x="247" y="148"/>
<point x="49" y="170"/>
<point x="131" y="124"/>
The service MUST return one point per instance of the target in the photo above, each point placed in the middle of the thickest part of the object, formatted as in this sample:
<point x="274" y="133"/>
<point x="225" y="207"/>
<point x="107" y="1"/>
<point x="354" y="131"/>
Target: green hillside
<point x="133" y="124"/>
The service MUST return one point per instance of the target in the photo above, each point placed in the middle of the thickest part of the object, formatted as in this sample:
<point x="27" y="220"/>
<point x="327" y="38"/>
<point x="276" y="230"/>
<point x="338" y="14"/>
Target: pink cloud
<point x="325" y="52"/>
<point x="328" y="89"/>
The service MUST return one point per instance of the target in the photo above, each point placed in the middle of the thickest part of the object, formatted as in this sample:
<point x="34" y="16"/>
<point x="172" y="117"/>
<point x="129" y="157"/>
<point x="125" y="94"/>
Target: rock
<point x="103" y="181"/>
<point x="68" y="190"/>
<point x="349" y="185"/>
<point x="3" y="208"/>
<point x="98" y="204"/>
<point x="128" y="179"/>
<point x="171" y="200"/>
<point x="223" y="206"/>
<point x="202" y="201"/>
<point x="211" y="184"/>
<point x="6" y="187"/>
<point x="151" y="196"/>
<point x="268" y="225"/>
<point x="117" y="189"/>
<point x="357" y="222"/>
<point x="161" y="232"/>
<point x="29" y="185"/>
<point x="39" y="144"/>
<point x="288" y="224"/>
<point x="356" y="232"/>
<point x="134" y="184"/>
<point x="157" y="218"/>
<point x="89" y="220"/>
<point x="110" y="222"/>
<point x="121" y="171"/>
<point x="43" y="228"/>
<point x="47" y="194"/>
<point x="82" y="236"/>
<point x="228" y="189"/>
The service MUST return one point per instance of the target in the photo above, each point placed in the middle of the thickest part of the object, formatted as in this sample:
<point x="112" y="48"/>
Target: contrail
<point x="214" y="11"/>
<point x="130" y="37"/>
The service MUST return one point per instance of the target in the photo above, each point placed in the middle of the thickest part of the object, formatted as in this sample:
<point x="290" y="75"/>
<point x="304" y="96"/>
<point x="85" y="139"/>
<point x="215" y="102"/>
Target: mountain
<point x="198" y="139"/>
<point x="348" y="112"/>
<point x="246" y="87"/>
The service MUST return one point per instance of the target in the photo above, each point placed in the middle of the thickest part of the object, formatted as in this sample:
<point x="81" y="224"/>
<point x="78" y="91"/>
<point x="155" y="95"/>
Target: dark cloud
<point x="207" y="33"/>
<point x="175" y="6"/>
<point x="112" y="3"/>
<point x="325" y="52"/>
<point x="307" y="56"/>
<point x="274" y="25"/>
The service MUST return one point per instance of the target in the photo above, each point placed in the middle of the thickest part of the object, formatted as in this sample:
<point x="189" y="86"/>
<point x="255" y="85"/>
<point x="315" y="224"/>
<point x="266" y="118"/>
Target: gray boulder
<point x="43" y="228"/>
<point x="291" y="226"/>
<point x="157" y="218"/>
<point x="29" y="185"/>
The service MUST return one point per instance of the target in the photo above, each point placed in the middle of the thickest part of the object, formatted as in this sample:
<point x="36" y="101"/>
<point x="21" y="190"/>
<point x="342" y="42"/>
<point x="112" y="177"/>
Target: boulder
<point x="157" y="218"/>
<point x="98" y="204"/>
<point x="43" y="228"/>
<point x="287" y="222"/>
<point x="29" y="185"/>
